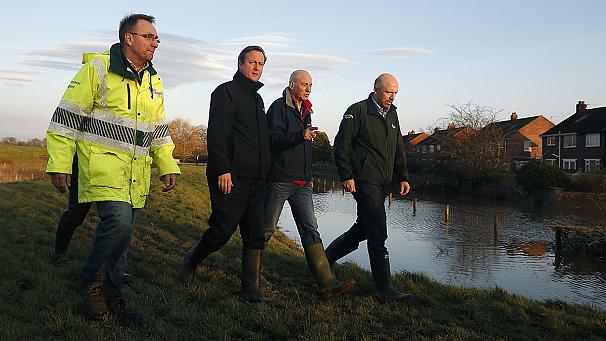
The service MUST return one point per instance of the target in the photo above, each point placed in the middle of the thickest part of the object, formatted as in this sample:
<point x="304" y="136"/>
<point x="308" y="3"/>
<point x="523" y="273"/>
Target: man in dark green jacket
<point x="369" y="154"/>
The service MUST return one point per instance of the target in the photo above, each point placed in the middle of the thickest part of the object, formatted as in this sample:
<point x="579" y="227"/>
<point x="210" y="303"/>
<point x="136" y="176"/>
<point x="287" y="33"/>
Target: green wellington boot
<point x="322" y="274"/>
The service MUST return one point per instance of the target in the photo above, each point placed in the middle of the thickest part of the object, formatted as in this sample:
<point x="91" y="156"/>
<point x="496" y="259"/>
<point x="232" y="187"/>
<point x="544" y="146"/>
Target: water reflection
<point x="483" y="244"/>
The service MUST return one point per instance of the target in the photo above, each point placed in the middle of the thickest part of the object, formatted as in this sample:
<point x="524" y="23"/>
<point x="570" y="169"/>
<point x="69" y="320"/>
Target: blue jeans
<point x="107" y="258"/>
<point x="301" y="204"/>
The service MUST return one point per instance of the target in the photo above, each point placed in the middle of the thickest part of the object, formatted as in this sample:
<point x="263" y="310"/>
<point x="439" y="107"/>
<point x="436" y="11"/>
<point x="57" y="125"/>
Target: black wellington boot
<point x="381" y="273"/>
<point x="190" y="263"/>
<point x="321" y="273"/>
<point x="251" y="273"/>
<point x="339" y="248"/>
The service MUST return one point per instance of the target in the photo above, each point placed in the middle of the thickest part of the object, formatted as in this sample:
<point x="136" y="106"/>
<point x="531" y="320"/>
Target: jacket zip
<point x="128" y="92"/>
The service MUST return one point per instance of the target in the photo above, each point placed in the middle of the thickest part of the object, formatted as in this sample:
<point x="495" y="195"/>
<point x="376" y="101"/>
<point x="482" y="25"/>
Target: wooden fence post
<point x="446" y="213"/>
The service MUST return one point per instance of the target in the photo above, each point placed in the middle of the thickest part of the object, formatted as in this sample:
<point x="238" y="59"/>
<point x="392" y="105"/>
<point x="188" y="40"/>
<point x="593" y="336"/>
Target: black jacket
<point x="369" y="147"/>
<point x="238" y="139"/>
<point x="290" y="152"/>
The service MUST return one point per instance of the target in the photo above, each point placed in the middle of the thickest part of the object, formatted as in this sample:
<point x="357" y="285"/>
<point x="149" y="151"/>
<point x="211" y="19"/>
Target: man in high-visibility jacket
<point x="112" y="117"/>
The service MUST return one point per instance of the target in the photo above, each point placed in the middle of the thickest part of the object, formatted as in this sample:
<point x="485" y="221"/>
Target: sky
<point x="530" y="57"/>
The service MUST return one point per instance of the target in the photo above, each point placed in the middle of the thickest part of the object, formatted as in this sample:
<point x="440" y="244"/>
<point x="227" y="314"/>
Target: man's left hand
<point x="404" y="188"/>
<point x="170" y="181"/>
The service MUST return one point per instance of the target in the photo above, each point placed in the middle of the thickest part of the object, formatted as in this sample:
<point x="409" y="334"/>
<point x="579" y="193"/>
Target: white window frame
<point x="424" y="149"/>
<point x="551" y="161"/>
<point x="438" y="147"/>
<point x="528" y="146"/>
<point x="568" y="163"/>
<point x="597" y="164"/>
<point x="551" y="141"/>
<point x="570" y="138"/>
<point x="589" y="142"/>
<point x="431" y="148"/>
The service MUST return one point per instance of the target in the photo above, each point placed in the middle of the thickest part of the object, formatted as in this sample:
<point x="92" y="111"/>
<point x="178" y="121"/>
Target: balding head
<point x="300" y="86"/>
<point x="385" y="89"/>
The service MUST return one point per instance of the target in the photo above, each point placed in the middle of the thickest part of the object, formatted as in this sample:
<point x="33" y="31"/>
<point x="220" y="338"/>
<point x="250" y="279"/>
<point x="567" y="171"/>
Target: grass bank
<point x="38" y="301"/>
<point x="18" y="163"/>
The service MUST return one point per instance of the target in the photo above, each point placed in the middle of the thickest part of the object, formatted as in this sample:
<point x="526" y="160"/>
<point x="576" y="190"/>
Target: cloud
<point x="399" y="52"/>
<point x="278" y="39"/>
<point x="282" y="64"/>
<point x="184" y="60"/>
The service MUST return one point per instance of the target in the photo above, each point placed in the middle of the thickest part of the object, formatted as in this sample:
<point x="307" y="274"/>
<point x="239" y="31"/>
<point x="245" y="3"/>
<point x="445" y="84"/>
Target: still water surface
<point x="520" y="258"/>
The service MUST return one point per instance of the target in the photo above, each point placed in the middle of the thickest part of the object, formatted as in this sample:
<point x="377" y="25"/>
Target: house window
<point x="592" y="140"/>
<point x="592" y="165"/>
<point x="551" y="161"/>
<point x="438" y="147"/>
<point x="424" y="149"/>
<point x="551" y="141"/>
<point x="527" y="146"/>
<point x="431" y="148"/>
<point x="520" y="164"/>
<point x="569" y="164"/>
<point x="570" y="141"/>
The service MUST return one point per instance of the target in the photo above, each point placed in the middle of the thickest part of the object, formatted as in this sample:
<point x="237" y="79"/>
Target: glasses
<point x="147" y="36"/>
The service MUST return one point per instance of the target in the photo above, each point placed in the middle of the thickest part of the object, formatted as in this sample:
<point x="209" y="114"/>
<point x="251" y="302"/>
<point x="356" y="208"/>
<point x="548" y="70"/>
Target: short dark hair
<point x="247" y="49"/>
<point x="128" y="22"/>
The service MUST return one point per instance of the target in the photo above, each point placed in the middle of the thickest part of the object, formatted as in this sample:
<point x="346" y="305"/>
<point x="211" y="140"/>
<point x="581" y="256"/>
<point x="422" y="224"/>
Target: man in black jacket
<point x="369" y="154"/>
<point x="238" y="162"/>
<point x="291" y="133"/>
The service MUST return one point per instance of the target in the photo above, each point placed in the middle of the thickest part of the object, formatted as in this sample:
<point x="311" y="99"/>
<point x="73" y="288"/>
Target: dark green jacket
<point x="369" y="147"/>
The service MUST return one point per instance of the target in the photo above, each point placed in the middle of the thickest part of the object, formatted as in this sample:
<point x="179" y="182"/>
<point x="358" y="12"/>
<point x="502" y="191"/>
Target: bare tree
<point x="472" y="139"/>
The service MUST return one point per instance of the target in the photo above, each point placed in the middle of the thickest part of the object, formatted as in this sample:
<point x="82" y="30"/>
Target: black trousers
<point x="243" y="207"/>
<point x="74" y="216"/>
<point x="371" y="222"/>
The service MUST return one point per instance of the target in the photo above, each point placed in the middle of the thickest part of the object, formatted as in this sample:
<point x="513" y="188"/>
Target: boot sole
<point x="344" y="289"/>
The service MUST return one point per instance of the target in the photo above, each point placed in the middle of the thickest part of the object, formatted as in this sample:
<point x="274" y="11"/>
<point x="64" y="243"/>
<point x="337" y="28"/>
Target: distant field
<point x="18" y="163"/>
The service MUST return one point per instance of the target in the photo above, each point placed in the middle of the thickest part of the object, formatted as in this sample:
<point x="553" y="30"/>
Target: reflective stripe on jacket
<point x="116" y="125"/>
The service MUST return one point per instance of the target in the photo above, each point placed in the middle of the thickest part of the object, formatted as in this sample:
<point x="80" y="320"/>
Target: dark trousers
<point x="243" y="207"/>
<point x="371" y="223"/>
<point x="73" y="217"/>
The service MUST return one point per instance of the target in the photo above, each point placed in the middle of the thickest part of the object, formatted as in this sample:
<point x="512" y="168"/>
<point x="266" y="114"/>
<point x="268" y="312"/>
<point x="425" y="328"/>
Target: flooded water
<point x="519" y="256"/>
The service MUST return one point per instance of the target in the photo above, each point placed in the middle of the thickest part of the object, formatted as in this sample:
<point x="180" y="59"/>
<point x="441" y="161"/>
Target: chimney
<point x="412" y="132"/>
<point x="451" y="126"/>
<point x="581" y="106"/>
<point x="514" y="116"/>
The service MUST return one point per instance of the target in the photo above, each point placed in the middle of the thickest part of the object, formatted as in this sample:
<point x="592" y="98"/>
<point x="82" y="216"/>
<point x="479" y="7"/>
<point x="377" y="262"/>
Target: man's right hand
<point x="310" y="133"/>
<point x="349" y="185"/>
<point x="61" y="181"/>
<point x="225" y="183"/>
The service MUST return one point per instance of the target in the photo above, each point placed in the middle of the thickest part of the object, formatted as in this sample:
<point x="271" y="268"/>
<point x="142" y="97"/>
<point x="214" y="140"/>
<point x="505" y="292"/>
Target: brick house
<point x="522" y="138"/>
<point x="411" y="139"/>
<point x="577" y="144"/>
<point x="438" y="144"/>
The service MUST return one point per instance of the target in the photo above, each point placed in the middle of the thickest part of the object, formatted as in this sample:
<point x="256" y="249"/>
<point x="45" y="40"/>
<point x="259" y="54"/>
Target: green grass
<point x="39" y="301"/>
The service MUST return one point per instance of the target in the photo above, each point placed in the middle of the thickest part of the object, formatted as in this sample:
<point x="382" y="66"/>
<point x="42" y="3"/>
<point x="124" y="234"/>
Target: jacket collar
<point x="289" y="102"/>
<point x="246" y="83"/>
<point x="118" y="63"/>
<point x="372" y="108"/>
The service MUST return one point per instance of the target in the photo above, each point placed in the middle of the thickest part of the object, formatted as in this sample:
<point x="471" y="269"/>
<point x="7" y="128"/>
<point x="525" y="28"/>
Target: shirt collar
<point x="380" y="109"/>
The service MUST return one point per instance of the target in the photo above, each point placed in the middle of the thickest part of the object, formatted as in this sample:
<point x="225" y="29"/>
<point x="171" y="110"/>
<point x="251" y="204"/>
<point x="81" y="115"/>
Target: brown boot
<point x="94" y="300"/>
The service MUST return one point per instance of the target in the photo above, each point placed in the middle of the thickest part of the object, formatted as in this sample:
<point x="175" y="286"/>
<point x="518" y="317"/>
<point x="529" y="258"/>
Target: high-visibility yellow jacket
<point x="115" y="122"/>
